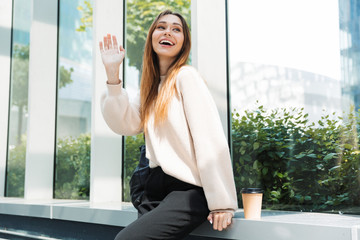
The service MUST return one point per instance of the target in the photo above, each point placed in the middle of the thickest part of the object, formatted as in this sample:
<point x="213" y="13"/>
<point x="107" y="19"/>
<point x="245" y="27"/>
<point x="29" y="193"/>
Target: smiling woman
<point x="139" y="17"/>
<point x="167" y="39"/>
<point x="191" y="176"/>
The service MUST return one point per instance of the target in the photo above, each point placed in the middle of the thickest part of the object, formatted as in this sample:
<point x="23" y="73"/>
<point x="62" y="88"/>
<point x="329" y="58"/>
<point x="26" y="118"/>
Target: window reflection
<point x="294" y="130"/>
<point x="18" y="98"/>
<point x="72" y="180"/>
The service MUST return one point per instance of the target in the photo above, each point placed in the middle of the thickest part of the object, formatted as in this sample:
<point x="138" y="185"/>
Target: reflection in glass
<point x="350" y="49"/>
<point x="139" y="16"/>
<point x="72" y="170"/>
<point x="18" y="98"/>
<point x="291" y="134"/>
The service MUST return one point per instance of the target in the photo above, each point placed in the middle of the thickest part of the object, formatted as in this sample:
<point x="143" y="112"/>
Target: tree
<point x="87" y="16"/>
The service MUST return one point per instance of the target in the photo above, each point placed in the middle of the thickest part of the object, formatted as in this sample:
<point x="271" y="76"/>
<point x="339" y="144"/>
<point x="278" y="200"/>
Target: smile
<point x="166" y="42"/>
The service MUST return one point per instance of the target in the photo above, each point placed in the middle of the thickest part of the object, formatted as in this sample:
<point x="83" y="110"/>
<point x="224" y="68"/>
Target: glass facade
<point x="72" y="170"/>
<point x="291" y="134"/>
<point x="349" y="11"/>
<point x="139" y="16"/>
<point x="294" y="98"/>
<point x="18" y="98"/>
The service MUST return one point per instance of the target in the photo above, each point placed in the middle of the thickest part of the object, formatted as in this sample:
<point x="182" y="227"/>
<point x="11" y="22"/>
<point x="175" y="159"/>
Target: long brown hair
<point x="150" y="99"/>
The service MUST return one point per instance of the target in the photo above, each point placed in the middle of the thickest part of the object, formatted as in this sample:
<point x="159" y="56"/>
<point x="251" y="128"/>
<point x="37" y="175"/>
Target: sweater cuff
<point x="232" y="211"/>
<point x="114" y="89"/>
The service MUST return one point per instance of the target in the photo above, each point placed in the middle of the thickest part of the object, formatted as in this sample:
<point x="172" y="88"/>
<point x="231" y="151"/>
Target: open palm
<point x="112" y="56"/>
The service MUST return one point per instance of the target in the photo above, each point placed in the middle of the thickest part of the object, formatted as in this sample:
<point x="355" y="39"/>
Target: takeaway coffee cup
<point x="252" y="199"/>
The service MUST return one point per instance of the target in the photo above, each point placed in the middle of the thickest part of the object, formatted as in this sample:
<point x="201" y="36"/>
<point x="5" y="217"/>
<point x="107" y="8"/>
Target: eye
<point x="160" y="27"/>
<point x="177" y="29"/>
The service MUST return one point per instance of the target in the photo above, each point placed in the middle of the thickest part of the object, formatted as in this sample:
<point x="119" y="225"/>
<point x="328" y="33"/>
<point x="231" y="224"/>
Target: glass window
<point x="139" y="16"/>
<point x="72" y="170"/>
<point x="294" y="130"/>
<point x="18" y="98"/>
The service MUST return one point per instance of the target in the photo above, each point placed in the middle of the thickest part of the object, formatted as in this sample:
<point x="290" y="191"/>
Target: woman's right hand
<point x="112" y="56"/>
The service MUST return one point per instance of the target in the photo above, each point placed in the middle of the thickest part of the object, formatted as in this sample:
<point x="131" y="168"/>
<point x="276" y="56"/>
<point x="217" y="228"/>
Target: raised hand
<point x="112" y="56"/>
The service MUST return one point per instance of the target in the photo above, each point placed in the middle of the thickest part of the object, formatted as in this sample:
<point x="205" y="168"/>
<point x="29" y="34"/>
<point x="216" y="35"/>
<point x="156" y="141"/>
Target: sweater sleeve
<point x="121" y="115"/>
<point x="210" y="144"/>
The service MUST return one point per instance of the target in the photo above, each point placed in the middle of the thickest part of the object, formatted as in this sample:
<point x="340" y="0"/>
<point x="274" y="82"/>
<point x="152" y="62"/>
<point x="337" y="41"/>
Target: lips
<point x="167" y="42"/>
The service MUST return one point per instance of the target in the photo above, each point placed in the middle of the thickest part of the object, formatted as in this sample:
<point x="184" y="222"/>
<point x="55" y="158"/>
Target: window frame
<point x="6" y="12"/>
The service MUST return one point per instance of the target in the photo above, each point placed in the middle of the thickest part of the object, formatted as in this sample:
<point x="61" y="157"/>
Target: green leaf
<point x="242" y="150"/>
<point x="301" y="155"/>
<point x="256" y="145"/>
<point x="256" y="164"/>
<point x="348" y="146"/>
<point x="308" y="198"/>
<point x="329" y="156"/>
<point x="333" y="168"/>
<point x="247" y="158"/>
<point x="265" y="170"/>
<point x="280" y="175"/>
<point x="319" y="166"/>
<point x="275" y="193"/>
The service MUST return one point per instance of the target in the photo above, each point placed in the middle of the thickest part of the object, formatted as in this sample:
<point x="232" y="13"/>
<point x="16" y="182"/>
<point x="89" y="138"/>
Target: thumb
<point x="210" y="218"/>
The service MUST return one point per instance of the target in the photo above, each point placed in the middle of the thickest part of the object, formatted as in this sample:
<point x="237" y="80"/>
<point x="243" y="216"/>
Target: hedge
<point x="301" y="165"/>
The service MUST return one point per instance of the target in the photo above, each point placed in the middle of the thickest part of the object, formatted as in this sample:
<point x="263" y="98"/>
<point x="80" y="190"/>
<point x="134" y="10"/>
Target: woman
<point x="191" y="176"/>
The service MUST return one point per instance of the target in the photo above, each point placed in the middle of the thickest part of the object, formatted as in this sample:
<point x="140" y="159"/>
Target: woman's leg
<point x="179" y="213"/>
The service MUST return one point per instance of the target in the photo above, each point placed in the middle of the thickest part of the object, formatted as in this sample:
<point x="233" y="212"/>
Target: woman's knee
<point x="125" y="234"/>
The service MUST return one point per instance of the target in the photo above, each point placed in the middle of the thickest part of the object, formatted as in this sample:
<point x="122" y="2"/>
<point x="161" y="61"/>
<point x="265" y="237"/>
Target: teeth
<point x="166" y="41"/>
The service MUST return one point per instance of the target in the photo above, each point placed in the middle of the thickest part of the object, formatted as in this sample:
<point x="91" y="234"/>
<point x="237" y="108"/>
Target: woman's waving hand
<point x="112" y="56"/>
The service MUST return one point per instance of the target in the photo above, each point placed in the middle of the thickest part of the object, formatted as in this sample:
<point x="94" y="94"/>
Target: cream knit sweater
<point x="190" y="145"/>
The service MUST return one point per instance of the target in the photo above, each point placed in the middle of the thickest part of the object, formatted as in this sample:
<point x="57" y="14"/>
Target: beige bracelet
<point x="107" y="82"/>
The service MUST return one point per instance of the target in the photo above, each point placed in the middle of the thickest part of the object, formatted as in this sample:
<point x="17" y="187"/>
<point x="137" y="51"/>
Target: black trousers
<point x="170" y="209"/>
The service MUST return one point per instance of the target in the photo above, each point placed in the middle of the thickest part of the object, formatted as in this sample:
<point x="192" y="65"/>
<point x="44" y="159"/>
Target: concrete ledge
<point x="279" y="225"/>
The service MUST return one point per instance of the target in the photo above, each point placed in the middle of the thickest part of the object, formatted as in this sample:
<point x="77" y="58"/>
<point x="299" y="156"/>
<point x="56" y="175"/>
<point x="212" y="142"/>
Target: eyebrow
<point x="175" y="23"/>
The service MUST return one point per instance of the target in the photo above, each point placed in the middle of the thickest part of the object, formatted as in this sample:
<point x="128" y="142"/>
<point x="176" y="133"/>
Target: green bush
<point x="72" y="171"/>
<point x="301" y="165"/>
<point x="16" y="170"/>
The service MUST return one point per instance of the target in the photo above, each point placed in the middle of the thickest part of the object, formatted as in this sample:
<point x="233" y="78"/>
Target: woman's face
<point x="168" y="37"/>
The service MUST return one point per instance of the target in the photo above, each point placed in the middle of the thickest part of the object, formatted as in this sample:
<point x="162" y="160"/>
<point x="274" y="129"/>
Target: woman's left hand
<point x="220" y="220"/>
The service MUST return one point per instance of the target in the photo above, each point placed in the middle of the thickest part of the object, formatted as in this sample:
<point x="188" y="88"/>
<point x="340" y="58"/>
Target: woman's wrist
<point x="112" y="76"/>
<point x="232" y="211"/>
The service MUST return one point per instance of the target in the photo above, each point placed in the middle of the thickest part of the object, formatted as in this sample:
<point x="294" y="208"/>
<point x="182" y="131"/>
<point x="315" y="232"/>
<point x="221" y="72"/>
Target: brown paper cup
<point x="252" y="201"/>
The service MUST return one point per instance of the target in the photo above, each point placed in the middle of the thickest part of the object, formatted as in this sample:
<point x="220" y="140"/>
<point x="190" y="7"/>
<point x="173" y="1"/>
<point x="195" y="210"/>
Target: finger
<point x="216" y="221"/>
<point x="229" y="220"/>
<point x="225" y="223"/>
<point x="115" y="42"/>
<point x="220" y="222"/>
<point x="109" y="41"/>
<point x="121" y="48"/>
<point x="101" y="46"/>
<point x="106" y="46"/>
<point x="210" y="218"/>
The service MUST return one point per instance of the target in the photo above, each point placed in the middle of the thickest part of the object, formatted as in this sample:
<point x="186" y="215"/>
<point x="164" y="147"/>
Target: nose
<point x="167" y="32"/>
